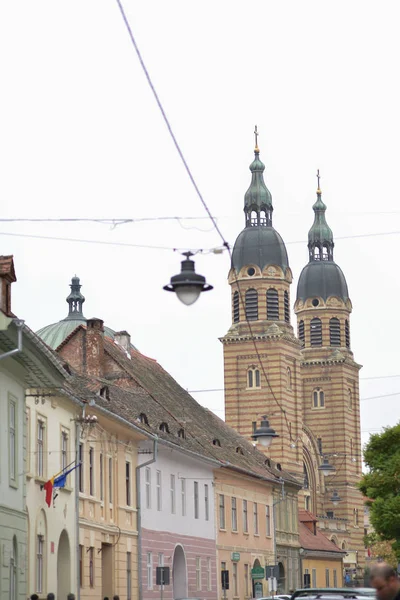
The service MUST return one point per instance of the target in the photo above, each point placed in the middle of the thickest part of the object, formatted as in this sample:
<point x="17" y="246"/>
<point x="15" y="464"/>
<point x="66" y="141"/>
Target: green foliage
<point x="381" y="485"/>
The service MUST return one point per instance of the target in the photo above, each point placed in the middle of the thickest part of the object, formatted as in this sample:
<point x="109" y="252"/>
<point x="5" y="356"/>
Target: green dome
<point x="259" y="246"/>
<point x="54" y="335"/>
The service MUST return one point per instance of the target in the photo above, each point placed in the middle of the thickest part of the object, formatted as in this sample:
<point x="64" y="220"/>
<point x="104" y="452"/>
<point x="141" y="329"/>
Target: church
<point x="302" y="379"/>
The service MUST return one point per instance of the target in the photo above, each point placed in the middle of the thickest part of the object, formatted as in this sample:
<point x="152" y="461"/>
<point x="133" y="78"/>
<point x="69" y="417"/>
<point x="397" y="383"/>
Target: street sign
<point x="225" y="580"/>
<point x="272" y="571"/>
<point x="235" y="556"/>
<point x="272" y="585"/>
<point x="258" y="573"/>
<point x="162" y="575"/>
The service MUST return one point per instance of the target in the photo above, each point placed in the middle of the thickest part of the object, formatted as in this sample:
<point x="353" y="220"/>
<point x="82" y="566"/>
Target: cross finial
<point x="256" y="134"/>
<point x="318" y="179"/>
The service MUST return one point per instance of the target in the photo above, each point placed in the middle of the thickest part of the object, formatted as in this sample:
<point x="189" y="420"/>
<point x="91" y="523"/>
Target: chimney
<point x="7" y="277"/>
<point x="123" y="339"/>
<point x="95" y="347"/>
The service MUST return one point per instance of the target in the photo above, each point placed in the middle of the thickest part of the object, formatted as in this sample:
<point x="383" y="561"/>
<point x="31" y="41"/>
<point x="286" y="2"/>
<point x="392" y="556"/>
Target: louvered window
<point x="272" y="305"/>
<point x="236" y="307"/>
<point x="286" y="307"/>
<point x="316" y="332"/>
<point x="301" y="331"/>
<point x="334" y="332"/>
<point x="347" y="333"/>
<point x="251" y="305"/>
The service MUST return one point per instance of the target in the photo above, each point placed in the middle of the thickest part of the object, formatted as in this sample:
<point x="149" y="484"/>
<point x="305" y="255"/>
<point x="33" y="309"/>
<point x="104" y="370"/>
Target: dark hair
<point x="51" y="596"/>
<point x="34" y="597"/>
<point x="71" y="596"/>
<point x="115" y="597"/>
<point x="382" y="570"/>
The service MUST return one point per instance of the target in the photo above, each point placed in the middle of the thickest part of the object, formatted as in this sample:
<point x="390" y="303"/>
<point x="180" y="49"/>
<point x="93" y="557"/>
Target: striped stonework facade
<point x="309" y="393"/>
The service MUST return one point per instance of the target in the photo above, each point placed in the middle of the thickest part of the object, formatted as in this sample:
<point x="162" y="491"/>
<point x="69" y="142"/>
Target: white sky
<point x="81" y="136"/>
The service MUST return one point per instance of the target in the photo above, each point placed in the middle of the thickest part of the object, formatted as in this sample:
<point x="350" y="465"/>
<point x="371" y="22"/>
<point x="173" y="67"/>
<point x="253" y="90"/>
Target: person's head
<point x="34" y="597"/>
<point x="51" y="596"/>
<point x="71" y="596"/>
<point x="384" y="579"/>
<point x="106" y="598"/>
<point x="115" y="597"/>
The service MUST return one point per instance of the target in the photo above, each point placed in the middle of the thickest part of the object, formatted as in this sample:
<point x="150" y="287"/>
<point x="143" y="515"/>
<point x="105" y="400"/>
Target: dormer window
<point x="239" y="450"/>
<point x="143" y="419"/>
<point x="105" y="392"/>
<point x="164" y="427"/>
<point x="253" y="378"/>
<point x="181" y="434"/>
<point x="216" y="442"/>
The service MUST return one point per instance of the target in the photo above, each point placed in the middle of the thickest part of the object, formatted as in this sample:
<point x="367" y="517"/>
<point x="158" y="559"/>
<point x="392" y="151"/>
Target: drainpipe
<point x="19" y="325"/>
<point x="77" y="471"/>
<point x="139" y="516"/>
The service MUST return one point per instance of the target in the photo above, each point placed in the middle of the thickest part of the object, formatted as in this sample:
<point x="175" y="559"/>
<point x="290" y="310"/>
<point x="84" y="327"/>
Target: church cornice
<point x="278" y="335"/>
<point x="329" y="361"/>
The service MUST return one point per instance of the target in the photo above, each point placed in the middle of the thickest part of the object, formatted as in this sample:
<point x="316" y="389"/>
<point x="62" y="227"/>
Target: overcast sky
<point x="81" y="136"/>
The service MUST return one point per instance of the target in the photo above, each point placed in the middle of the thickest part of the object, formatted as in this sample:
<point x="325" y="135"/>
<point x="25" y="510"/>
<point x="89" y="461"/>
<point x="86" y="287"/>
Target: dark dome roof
<point x="259" y="246"/>
<point x="322" y="278"/>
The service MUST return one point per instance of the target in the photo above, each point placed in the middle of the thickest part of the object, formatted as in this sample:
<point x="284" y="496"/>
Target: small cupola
<point x="320" y="236"/>
<point x="258" y="200"/>
<point x="75" y="300"/>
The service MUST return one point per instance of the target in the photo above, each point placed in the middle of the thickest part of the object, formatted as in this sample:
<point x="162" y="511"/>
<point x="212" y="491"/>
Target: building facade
<point x="306" y="382"/>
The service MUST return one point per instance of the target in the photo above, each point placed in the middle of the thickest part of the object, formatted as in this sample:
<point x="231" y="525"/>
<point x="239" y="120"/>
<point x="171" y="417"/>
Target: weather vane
<point x="256" y="138"/>
<point x="318" y="178"/>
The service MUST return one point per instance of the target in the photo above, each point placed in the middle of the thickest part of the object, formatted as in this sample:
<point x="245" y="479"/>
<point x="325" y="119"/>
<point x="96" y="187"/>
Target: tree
<point x="381" y="485"/>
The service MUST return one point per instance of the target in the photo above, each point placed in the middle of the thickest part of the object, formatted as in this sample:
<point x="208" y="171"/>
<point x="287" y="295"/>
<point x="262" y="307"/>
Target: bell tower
<point x="261" y="352"/>
<point x="330" y="378"/>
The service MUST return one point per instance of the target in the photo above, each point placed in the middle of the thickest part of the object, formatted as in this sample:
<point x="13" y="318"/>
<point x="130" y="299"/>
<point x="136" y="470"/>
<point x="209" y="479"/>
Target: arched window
<point x="306" y="481"/>
<point x="334" y="332"/>
<point x="272" y="305"/>
<point x="289" y="379"/>
<point x="344" y="545"/>
<point x="253" y="378"/>
<point x="356" y="517"/>
<point x="286" y="307"/>
<point x="251" y="304"/>
<point x="181" y="434"/>
<point x="301" y="331"/>
<point x="316" y="332"/>
<point x="317" y="255"/>
<point x="347" y="333"/>
<point x="325" y="254"/>
<point x="350" y="399"/>
<point x="236" y="313"/>
<point x="318" y="400"/>
<point x="164" y="427"/>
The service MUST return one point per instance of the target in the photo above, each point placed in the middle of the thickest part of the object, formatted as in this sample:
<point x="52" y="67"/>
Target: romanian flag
<point x="48" y="487"/>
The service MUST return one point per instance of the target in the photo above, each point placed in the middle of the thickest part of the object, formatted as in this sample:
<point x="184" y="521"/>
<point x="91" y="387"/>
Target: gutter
<point x="19" y="325"/>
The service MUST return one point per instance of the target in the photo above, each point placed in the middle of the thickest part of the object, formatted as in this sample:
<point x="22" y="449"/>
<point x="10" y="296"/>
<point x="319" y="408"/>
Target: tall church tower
<point x="262" y="379"/>
<point x="330" y="379"/>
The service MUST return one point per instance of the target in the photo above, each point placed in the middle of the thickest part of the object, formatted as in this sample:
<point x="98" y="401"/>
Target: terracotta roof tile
<point x="320" y="542"/>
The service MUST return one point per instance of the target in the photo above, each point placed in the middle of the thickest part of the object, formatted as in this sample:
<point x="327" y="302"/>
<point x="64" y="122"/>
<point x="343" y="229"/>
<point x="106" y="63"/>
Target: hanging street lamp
<point x="327" y="468"/>
<point x="264" y="434"/>
<point x="188" y="285"/>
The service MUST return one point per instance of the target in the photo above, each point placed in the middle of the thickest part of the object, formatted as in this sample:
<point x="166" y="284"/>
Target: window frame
<point x="40" y="550"/>
<point x="128" y="483"/>
<point x="158" y="490"/>
<point x="196" y="499"/>
<point x="318" y="399"/>
<point x="172" y="489"/>
<point x="147" y="485"/>
<point x="221" y="511"/>
<point x="245" y="516"/>
<point x="234" y="519"/>
<point x="267" y="520"/>
<point x="13" y="440"/>
<point x="255" y="518"/>
<point x="206" y="503"/>
<point x="40" y="447"/>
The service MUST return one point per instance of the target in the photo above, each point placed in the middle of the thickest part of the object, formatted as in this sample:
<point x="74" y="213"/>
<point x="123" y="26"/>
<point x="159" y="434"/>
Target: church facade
<point x="304" y="378"/>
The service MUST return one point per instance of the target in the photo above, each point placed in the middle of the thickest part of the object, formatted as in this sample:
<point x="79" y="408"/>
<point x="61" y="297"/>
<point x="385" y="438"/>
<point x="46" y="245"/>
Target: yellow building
<point x="321" y="559"/>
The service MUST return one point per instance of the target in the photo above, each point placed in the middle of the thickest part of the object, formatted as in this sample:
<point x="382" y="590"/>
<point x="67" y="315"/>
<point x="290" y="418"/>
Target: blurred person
<point x="384" y="579"/>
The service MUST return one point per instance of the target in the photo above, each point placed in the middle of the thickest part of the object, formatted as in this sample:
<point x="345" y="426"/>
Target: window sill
<point x="40" y="479"/>
<point x="235" y="531"/>
<point x="13" y="484"/>
<point x="66" y="488"/>
<point x="256" y="535"/>
<point x="318" y="408"/>
<point x="222" y="529"/>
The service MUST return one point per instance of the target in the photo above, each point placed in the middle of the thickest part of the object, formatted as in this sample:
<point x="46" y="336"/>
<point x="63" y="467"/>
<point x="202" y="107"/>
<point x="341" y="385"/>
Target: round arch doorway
<point x="63" y="566"/>
<point x="179" y="573"/>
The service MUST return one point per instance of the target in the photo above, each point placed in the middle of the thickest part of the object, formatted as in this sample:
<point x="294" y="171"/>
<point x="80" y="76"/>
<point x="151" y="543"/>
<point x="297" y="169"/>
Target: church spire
<point x="258" y="200"/>
<point x="320" y="236"/>
<point x="75" y="300"/>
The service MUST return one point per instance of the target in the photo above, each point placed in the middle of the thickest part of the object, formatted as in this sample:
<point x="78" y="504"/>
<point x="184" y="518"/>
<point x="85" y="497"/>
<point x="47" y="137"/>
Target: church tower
<point x="261" y="352"/>
<point x="330" y="382"/>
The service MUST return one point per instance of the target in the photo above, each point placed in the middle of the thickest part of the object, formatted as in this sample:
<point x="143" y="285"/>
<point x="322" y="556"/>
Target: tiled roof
<point x="318" y="542"/>
<point x="306" y="517"/>
<point x="163" y="400"/>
